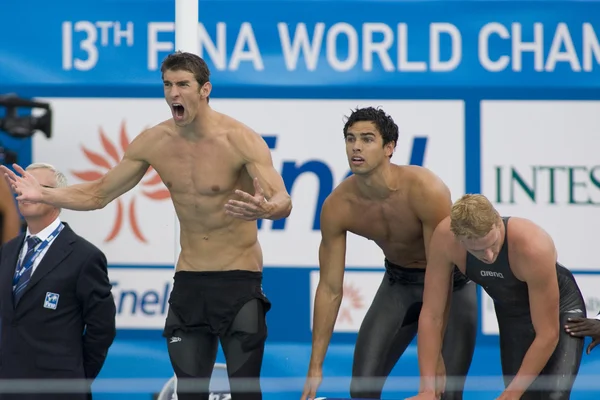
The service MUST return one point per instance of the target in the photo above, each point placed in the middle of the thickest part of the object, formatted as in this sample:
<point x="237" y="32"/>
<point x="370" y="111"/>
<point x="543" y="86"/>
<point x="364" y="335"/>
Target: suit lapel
<point x="58" y="251"/>
<point x="10" y="257"/>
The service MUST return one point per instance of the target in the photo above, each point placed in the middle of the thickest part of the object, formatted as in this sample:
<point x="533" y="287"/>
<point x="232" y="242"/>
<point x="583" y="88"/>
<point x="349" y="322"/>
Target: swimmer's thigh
<point x="516" y="335"/>
<point x="243" y="347"/>
<point x="192" y="356"/>
<point x="557" y="378"/>
<point x="459" y="339"/>
<point x="388" y="328"/>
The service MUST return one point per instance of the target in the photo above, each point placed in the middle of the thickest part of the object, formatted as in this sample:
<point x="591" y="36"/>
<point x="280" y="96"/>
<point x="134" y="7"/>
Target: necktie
<point x="32" y="242"/>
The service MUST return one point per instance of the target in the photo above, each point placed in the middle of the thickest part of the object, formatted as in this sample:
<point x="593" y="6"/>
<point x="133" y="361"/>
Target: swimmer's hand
<point x="581" y="327"/>
<point x="506" y="395"/>
<point x="315" y="376"/>
<point x="425" y="396"/>
<point x="26" y="187"/>
<point x="250" y="208"/>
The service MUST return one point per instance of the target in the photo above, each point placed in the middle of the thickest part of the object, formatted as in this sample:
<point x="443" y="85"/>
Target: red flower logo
<point x="352" y="301"/>
<point x="107" y="161"/>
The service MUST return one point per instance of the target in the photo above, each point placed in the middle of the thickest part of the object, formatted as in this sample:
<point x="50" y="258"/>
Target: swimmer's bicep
<point x="259" y="164"/>
<point x="130" y="170"/>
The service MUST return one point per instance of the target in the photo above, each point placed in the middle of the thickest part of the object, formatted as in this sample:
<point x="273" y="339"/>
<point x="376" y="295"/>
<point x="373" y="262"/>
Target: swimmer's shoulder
<point x="152" y="134"/>
<point x="445" y="242"/>
<point x="141" y="146"/>
<point x="162" y="129"/>
<point x="238" y="134"/>
<point x="342" y="197"/>
<point x="422" y="184"/>
<point x="524" y="235"/>
<point x="415" y="175"/>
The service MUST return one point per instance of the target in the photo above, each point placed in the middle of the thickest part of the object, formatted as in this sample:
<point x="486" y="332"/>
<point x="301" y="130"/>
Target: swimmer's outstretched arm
<point x="328" y="298"/>
<point x="432" y="202"/>
<point x="85" y="196"/>
<point x="436" y="305"/>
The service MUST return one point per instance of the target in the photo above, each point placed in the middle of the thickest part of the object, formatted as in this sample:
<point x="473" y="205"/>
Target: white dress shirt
<point x="42" y="235"/>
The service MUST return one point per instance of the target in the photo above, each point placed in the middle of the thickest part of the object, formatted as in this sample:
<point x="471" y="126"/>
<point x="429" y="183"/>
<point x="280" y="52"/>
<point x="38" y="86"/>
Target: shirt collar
<point x="44" y="233"/>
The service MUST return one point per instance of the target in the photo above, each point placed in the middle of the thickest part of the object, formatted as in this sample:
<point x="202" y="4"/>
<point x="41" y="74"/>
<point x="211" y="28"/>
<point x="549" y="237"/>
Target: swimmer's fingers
<point x="238" y="215"/>
<point x="576" y="324"/>
<point x="10" y="176"/>
<point x="11" y="183"/>
<point x="310" y="389"/>
<point x="581" y="329"/>
<point x="243" y="205"/>
<point x="594" y="343"/>
<point x="236" y="208"/>
<point x="248" y="198"/>
<point x="247" y="211"/>
<point x="20" y="170"/>
<point x="576" y="327"/>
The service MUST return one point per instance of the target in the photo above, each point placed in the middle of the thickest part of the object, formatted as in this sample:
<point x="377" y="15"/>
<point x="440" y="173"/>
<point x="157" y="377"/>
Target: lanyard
<point x="23" y="268"/>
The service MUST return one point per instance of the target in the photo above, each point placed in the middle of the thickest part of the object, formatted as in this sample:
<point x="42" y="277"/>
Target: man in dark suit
<point x="57" y="313"/>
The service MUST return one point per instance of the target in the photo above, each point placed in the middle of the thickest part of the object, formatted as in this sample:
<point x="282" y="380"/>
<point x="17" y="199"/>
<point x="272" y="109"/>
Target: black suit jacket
<point x="71" y="341"/>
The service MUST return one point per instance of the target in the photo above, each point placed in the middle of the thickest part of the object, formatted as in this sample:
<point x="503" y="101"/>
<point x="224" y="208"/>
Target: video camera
<point x="22" y="126"/>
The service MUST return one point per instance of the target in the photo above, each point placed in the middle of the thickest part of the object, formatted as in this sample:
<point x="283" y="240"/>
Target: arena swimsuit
<point x="511" y="302"/>
<point x="391" y="324"/>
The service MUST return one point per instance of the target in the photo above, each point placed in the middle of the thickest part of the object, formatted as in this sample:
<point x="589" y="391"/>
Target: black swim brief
<point x="416" y="276"/>
<point x="209" y="301"/>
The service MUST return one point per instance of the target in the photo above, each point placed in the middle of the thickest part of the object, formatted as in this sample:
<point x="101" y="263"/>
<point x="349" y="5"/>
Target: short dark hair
<point x="181" y="61"/>
<point x="384" y="123"/>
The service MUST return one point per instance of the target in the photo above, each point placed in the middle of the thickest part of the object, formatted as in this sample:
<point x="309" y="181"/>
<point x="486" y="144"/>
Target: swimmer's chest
<point x="207" y="167"/>
<point x="384" y="222"/>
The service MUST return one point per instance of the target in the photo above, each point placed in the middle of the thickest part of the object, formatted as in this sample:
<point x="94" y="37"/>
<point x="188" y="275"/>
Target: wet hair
<point x="473" y="216"/>
<point x="383" y="122"/>
<point x="181" y="61"/>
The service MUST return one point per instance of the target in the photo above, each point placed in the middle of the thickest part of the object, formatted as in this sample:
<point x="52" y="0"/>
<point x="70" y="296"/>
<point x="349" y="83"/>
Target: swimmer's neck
<point x="203" y="124"/>
<point x="379" y="184"/>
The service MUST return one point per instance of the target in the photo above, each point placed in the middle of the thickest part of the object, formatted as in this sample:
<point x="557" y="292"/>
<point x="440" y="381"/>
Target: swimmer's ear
<point x="389" y="148"/>
<point x="205" y="90"/>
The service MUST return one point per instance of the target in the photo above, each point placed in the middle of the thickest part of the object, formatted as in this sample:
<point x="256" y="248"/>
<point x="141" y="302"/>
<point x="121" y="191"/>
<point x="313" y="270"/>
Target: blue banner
<point x="298" y="44"/>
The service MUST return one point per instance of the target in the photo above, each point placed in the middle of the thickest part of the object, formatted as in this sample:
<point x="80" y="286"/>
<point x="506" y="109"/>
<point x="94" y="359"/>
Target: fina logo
<point x="492" y="274"/>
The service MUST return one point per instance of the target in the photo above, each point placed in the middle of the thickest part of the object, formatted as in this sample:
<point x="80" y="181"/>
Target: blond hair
<point x="473" y="216"/>
<point x="61" y="179"/>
